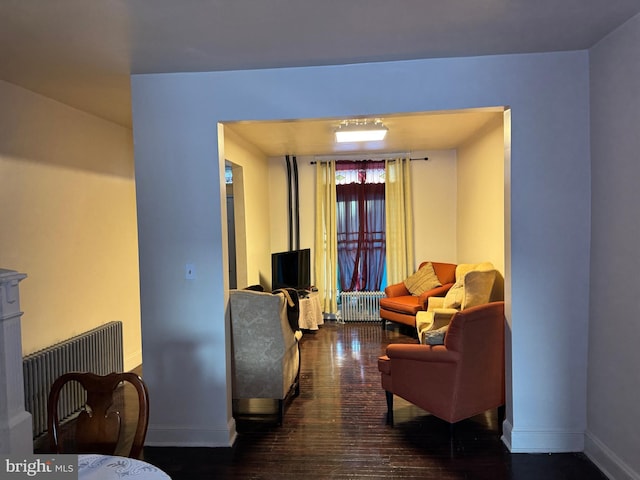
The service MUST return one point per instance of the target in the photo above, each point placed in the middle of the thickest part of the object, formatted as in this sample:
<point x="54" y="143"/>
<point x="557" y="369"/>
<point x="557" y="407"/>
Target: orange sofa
<point x="458" y="379"/>
<point x="401" y="307"/>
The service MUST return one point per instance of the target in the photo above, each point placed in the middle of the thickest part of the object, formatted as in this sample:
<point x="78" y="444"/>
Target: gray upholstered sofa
<point x="266" y="358"/>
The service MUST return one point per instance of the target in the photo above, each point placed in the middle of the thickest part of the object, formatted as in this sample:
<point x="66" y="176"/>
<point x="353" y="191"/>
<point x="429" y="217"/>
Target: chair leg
<point x="296" y="391"/>
<point x="502" y="415"/>
<point x="452" y="447"/>
<point x="280" y="412"/>
<point x="389" y="397"/>
<point x="297" y="388"/>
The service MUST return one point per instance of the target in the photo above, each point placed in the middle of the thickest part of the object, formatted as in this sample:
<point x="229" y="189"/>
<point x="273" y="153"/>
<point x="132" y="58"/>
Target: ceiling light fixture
<point x="360" y="131"/>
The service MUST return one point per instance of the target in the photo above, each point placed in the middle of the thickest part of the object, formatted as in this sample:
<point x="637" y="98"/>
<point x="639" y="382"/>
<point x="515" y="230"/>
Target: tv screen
<point x="291" y="269"/>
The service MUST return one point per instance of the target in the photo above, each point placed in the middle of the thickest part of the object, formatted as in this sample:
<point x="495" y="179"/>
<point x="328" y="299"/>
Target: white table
<point x="107" y="467"/>
<point x="310" y="312"/>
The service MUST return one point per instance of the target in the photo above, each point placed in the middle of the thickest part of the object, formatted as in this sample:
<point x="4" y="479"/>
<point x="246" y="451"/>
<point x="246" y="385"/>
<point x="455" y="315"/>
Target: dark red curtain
<point x="360" y="224"/>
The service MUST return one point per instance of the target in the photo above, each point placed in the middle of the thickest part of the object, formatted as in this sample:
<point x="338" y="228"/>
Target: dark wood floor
<point x="336" y="429"/>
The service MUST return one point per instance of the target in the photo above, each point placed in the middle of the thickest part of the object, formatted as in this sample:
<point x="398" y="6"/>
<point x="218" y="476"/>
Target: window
<point x="360" y="223"/>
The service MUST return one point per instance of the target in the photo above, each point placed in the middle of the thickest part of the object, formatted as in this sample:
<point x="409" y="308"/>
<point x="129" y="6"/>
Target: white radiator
<point x="360" y="306"/>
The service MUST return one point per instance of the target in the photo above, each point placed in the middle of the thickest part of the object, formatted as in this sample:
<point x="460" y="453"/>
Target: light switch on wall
<point x="189" y="271"/>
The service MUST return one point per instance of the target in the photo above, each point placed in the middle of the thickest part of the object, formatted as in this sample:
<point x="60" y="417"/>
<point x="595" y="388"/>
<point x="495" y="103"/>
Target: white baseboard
<point x="606" y="460"/>
<point x="133" y="360"/>
<point x="541" y="441"/>
<point x="16" y="434"/>
<point x="191" y="436"/>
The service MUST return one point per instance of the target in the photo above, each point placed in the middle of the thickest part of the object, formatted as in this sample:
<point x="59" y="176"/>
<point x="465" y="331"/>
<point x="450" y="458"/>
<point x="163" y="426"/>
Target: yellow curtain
<point x="399" y="219"/>
<point x="326" y="241"/>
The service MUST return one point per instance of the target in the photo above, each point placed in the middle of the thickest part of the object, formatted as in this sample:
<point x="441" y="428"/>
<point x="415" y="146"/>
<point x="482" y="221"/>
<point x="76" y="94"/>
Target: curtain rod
<point x="363" y="158"/>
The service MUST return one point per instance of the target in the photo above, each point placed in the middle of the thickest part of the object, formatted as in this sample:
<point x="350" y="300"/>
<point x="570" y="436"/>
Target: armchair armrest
<point x="434" y="302"/>
<point x="433" y="319"/>
<point x="442" y="316"/>
<point x="422" y="353"/>
<point x="440" y="291"/>
<point x="396" y="290"/>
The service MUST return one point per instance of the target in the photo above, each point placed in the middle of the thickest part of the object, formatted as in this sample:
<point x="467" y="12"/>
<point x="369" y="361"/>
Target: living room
<point x="176" y="114"/>
<point x="458" y="196"/>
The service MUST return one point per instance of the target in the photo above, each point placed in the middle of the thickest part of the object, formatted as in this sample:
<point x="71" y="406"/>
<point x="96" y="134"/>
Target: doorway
<point x="231" y="225"/>
<point x="236" y="228"/>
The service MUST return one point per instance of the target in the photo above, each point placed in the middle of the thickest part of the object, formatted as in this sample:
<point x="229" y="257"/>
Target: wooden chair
<point x="98" y="428"/>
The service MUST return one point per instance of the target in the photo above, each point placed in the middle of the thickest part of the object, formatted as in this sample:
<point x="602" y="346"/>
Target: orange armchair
<point x="456" y="380"/>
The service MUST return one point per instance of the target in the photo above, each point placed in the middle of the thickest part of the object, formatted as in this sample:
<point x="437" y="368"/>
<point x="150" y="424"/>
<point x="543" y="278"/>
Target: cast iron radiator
<point x="360" y="306"/>
<point x="98" y="351"/>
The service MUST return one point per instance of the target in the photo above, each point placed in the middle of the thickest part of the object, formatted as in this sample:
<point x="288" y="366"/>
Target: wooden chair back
<point x="98" y="427"/>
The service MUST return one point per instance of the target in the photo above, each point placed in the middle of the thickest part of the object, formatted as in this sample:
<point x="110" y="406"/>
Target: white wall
<point x="182" y="219"/>
<point x="68" y="220"/>
<point x="252" y="210"/>
<point x="176" y="148"/>
<point x="613" y="433"/>
<point x="278" y="197"/>
<point x="435" y="202"/>
<point x="480" y="190"/>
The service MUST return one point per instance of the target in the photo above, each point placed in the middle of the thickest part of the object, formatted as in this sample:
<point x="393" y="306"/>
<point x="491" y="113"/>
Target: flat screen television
<point x="291" y="269"/>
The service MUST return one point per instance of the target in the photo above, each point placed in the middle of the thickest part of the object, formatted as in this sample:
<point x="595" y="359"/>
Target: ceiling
<point x="407" y="133"/>
<point x="82" y="53"/>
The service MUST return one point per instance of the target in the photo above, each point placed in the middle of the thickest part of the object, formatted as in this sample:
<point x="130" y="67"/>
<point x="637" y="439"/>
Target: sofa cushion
<point x="421" y="281"/>
<point x="446" y="272"/>
<point x="408" y="304"/>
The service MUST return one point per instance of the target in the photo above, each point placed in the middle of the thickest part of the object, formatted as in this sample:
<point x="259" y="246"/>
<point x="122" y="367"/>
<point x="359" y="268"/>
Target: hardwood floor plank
<point x="337" y="429"/>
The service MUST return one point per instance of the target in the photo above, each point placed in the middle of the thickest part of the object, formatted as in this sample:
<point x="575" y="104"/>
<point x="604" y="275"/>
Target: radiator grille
<point x="98" y="351"/>
<point x="360" y="306"/>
